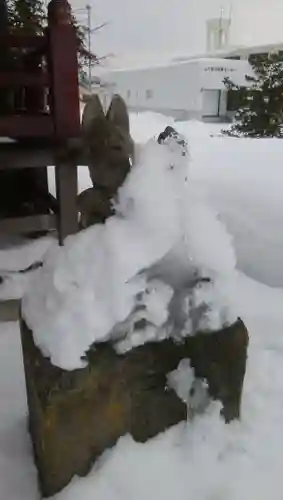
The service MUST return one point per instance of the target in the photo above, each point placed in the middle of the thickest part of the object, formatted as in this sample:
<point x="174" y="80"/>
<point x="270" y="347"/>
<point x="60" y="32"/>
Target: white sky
<point x="140" y="28"/>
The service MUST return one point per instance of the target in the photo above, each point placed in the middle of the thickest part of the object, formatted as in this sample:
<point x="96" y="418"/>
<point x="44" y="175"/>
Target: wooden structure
<point x="39" y="111"/>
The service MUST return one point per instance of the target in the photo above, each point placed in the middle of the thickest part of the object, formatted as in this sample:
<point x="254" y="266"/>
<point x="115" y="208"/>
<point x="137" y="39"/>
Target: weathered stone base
<point x="76" y="415"/>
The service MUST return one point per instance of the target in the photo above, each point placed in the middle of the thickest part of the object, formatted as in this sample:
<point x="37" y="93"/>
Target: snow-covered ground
<point x="206" y="459"/>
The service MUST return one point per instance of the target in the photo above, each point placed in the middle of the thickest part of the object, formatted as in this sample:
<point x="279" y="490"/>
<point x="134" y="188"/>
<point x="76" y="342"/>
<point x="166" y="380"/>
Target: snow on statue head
<point x="109" y="149"/>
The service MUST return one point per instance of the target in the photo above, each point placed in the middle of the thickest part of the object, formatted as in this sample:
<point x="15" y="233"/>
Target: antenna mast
<point x="88" y="9"/>
<point x="230" y="14"/>
<point x="220" y="31"/>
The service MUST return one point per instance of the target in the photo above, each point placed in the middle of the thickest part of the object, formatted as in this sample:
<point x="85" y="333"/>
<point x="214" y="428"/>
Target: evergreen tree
<point x="30" y="16"/>
<point x="260" y="111"/>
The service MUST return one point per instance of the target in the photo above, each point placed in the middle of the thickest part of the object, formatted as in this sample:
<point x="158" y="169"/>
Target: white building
<point x="190" y="89"/>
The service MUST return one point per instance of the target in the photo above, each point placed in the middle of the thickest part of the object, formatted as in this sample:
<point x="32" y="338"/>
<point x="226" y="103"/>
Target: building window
<point x="148" y="94"/>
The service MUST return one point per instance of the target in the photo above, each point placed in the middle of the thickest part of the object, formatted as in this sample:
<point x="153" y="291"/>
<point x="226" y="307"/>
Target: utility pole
<point x="89" y="30"/>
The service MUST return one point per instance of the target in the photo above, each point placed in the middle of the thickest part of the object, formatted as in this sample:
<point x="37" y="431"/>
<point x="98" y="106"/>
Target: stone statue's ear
<point x="118" y="114"/>
<point x="92" y="111"/>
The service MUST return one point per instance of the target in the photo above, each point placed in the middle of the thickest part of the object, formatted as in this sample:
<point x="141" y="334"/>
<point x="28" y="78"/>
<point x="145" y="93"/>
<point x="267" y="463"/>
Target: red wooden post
<point x="64" y="69"/>
<point x="64" y="107"/>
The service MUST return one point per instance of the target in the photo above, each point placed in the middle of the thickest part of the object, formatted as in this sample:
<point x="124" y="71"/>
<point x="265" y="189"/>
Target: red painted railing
<point x="39" y="107"/>
<point x="43" y="85"/>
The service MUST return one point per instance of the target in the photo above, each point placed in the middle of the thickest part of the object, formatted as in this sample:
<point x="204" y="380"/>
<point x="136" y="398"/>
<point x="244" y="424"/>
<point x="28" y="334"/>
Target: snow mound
<point x="17" y="258"/>
<point x="148" y="124"/>
<point x="162" y="236"/>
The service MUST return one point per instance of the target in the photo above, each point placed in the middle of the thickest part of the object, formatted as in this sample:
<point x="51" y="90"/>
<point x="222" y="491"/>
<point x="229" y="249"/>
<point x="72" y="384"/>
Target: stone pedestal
<point x="75" y="415"/>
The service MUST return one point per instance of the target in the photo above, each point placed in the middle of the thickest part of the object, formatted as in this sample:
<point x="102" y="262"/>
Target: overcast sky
<point x="140" y="27"/>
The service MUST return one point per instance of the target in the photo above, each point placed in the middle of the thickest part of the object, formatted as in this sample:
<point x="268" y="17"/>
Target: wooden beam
<point x="37" y="42"/>
<point x="29" y="224"/>
<point x="26" y="126"/>
<point x="17" y="156"/>
<point x="25" y="79"/>
<point x="10" y="310"/>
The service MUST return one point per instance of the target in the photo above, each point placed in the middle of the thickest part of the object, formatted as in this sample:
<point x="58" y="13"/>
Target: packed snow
<point x="19" y="258"/>
<point x="203" y="459"/>
<point x="135" y="266"/>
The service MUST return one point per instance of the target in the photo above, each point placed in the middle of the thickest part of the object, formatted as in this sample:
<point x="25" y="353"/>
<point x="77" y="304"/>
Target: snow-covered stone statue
<point x="109" y="149"/>
<point x="129" y="328"/>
